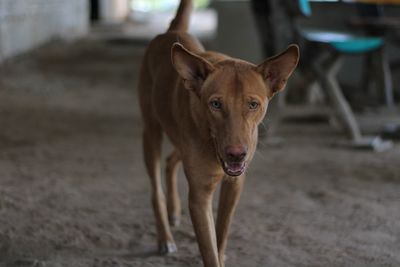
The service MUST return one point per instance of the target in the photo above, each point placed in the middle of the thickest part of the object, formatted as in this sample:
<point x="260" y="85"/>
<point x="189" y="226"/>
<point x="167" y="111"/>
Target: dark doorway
<point x="94" y="10"/>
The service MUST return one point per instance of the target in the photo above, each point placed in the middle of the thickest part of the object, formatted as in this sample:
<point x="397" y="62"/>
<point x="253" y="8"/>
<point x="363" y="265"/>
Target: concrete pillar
<point x="114" y="11"/>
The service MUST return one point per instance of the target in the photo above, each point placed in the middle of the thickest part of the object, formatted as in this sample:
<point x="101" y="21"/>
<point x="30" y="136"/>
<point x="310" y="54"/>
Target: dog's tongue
<point x="234" y="168"/>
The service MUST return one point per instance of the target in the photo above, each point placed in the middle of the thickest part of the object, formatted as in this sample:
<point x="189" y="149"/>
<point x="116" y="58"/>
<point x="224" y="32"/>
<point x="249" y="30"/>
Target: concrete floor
<point x="73" y="190"/>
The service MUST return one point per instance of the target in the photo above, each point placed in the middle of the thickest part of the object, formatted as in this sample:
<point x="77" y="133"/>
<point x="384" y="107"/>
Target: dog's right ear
<point x="191" y="68"/>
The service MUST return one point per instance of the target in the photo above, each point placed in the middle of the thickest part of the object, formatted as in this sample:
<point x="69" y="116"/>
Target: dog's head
<point x="234" y="96"/>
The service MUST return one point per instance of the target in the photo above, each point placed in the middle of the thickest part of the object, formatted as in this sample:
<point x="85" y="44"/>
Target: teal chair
<point x="332" y="46"/>
<point x="342" y="42"/>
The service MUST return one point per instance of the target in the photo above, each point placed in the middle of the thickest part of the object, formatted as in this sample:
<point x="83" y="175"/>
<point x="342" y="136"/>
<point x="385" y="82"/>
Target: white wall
<point x="25" y="24"/>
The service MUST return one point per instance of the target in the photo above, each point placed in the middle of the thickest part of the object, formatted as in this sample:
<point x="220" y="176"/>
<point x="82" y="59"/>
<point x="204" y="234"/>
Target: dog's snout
<point x="235" y="153"/>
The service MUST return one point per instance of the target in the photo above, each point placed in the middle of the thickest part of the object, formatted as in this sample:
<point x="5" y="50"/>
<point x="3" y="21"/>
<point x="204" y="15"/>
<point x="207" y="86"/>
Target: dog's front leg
<point x="231" y="188"/>
<point x="200" y="206"/>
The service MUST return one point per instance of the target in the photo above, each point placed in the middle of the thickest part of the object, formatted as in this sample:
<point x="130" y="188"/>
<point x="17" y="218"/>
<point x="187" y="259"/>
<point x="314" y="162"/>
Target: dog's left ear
<point x="193" y="69"/>
<point x="277" y="70"/>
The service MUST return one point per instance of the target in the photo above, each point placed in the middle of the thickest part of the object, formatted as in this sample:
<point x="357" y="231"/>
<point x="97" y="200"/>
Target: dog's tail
<point x="182" y="18"/>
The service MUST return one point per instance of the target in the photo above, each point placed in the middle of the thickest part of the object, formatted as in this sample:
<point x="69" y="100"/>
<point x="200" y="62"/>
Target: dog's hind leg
<point x="173" y="200"/>
<point x="152" y="139"/>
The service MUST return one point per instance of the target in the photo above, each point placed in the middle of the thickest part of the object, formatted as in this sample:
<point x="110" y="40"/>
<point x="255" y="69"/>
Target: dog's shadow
<point x="143" y="253"/>
<point x="131" y="254"/>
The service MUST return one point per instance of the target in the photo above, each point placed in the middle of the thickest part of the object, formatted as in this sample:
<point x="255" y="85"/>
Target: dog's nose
<point x="235" y="153"/>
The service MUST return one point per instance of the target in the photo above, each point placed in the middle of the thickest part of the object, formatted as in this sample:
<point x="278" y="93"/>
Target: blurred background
<point x="323" y="188"/>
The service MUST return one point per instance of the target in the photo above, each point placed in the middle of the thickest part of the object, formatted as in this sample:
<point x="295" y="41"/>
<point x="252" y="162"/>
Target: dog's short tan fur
<point x="209" y="105"/>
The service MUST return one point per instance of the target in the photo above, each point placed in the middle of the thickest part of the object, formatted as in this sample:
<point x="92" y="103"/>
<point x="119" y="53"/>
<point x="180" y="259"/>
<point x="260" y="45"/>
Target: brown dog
<point x="209" y="105"/>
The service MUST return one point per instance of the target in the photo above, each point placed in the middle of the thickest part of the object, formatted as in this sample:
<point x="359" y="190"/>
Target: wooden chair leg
<point x="368" y="72"/>
<point x="327" y="78"/>
<point x="377" y="80"/>
<point x="386" y="79"/>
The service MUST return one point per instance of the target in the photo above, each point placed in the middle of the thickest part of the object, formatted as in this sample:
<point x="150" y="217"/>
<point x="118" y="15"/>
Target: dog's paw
<point x="174" y="220"/>
<point x="167" y="247"/>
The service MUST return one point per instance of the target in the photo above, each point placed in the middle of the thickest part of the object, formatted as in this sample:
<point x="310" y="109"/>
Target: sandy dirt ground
<point x="73" y="190"/>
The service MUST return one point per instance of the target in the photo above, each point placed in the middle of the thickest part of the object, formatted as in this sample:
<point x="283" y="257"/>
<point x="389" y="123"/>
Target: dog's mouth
<point x="233" y="168"/>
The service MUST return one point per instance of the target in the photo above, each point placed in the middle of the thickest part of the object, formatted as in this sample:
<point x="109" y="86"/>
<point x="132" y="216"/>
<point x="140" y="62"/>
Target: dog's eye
<point x="215" y="104"/>
<point x="253" y="105"/>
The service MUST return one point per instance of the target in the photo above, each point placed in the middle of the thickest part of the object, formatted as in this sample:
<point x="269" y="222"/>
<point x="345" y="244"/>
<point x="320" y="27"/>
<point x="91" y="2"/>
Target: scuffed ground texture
<point x="73" y="190"/>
